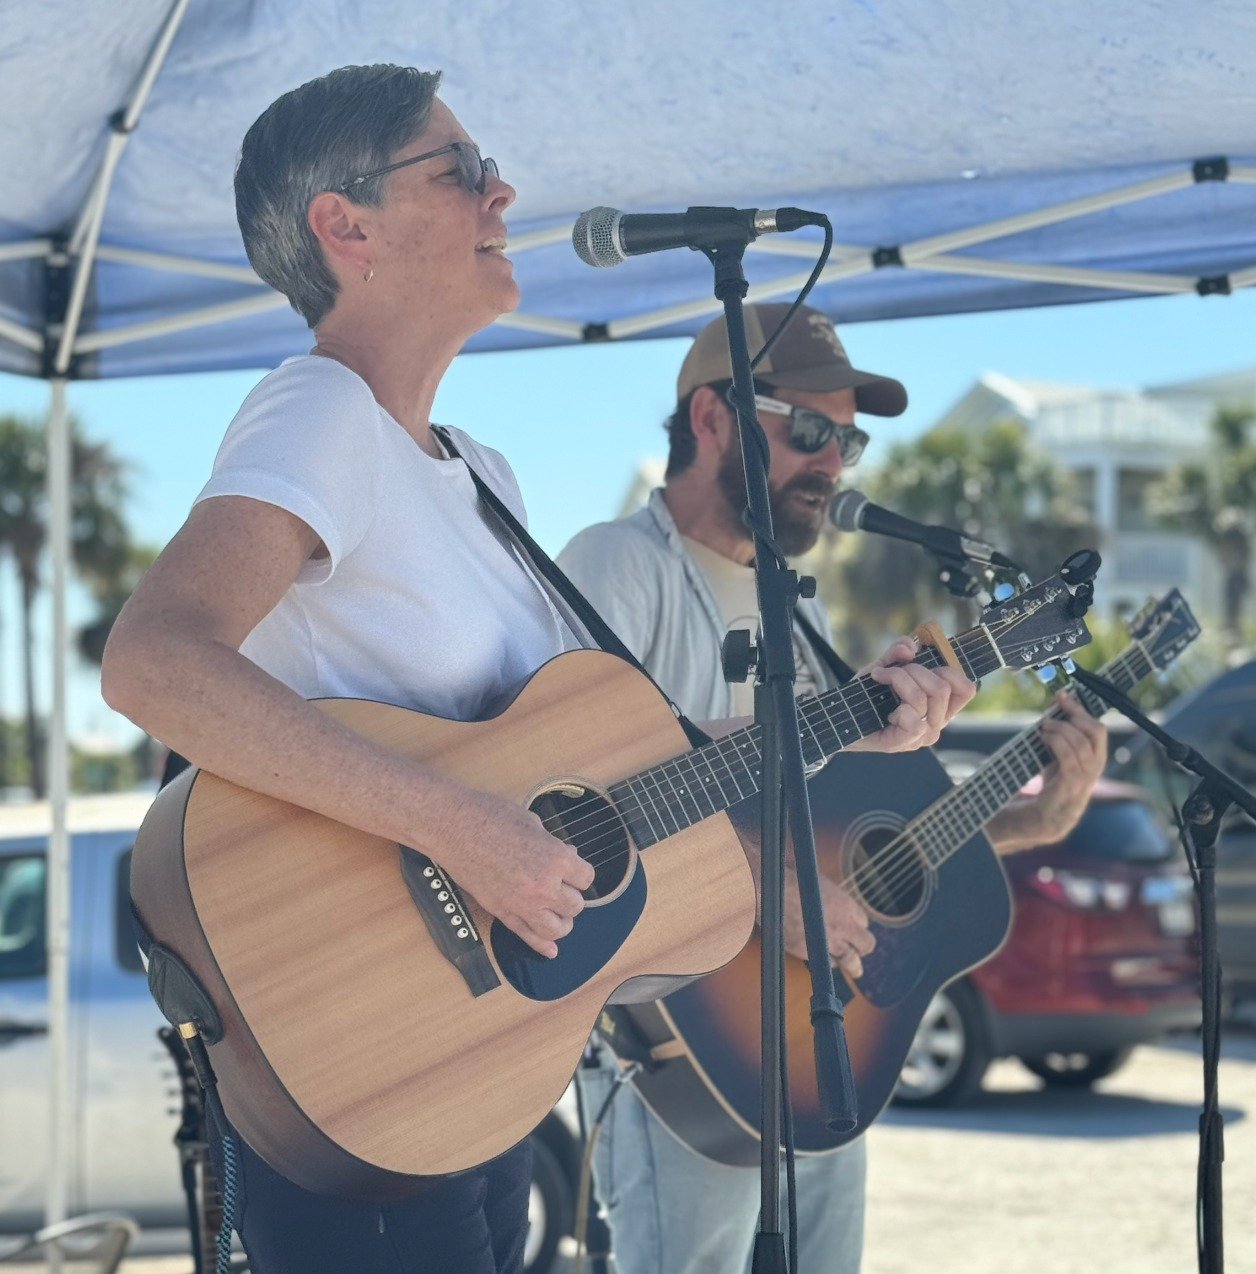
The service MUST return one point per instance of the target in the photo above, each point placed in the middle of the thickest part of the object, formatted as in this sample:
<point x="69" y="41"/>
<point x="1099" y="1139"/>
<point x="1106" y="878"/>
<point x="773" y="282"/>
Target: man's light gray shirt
<point x="642" y="580"/>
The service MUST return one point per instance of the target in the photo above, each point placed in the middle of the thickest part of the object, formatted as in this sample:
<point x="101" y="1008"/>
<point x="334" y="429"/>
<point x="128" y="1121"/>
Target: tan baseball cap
<point x="808" y="355"/>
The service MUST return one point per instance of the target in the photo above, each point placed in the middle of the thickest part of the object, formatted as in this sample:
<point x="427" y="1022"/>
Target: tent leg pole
<point x="61" y="1095"/>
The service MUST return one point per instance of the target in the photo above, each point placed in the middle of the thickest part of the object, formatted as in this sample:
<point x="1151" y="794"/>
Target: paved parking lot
<point x="1027" y="1182"/>
<point x="1031" y="1181"/>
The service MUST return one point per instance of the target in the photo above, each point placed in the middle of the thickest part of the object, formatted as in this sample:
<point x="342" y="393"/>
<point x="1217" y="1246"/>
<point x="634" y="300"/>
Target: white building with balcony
<point x="1118" y="443"/>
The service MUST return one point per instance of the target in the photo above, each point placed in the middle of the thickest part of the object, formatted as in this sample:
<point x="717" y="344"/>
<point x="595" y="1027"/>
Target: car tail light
<point x="1088" y="893"/>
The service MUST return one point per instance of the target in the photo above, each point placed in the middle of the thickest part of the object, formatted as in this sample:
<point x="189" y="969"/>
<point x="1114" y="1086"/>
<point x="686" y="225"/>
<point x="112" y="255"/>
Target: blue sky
<point x="575" y="422"/>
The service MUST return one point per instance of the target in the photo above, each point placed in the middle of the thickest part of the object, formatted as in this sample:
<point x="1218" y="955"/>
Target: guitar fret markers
<point x="683" y="791"/>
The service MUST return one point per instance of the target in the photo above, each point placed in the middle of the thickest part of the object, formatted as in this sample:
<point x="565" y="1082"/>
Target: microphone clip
<point x="963" y="577"/>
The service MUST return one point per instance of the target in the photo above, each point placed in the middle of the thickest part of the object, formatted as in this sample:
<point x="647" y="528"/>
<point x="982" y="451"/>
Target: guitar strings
<point x="941" y="818"/>
<point x="1028" y="750"/>
<point x="901" y="854"/>
<point x="607" y="821"/>
<point x="871" y="721"/>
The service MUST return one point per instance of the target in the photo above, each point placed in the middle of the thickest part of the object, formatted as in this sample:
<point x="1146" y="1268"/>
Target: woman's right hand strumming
<point x="517" y="871"/>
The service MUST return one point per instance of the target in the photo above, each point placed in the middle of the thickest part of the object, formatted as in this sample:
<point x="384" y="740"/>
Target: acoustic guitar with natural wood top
<point x="369" y="1024"/>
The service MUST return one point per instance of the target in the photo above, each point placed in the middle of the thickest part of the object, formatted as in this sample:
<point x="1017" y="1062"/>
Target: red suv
<point x="1101" y="956"/>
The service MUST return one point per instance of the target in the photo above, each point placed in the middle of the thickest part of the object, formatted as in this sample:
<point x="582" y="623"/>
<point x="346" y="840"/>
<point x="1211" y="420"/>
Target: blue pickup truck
<point x="127" y="1094"/>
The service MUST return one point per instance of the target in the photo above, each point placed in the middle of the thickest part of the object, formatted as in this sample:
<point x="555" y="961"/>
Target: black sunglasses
<point x="473" y="170"/>
<point x="811" y="431"/>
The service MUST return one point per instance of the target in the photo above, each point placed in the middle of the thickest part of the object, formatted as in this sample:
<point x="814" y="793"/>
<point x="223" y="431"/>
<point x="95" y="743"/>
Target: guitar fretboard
<point x="955" y="818"/>
<point x="667" y="798"/>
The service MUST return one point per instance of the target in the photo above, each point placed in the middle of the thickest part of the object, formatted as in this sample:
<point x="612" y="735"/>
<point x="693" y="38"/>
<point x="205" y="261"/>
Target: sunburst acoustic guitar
<point x="910" y="845"/>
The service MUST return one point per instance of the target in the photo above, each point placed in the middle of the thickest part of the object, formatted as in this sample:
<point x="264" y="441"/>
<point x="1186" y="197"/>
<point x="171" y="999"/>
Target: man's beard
<point x="797" y="529"/>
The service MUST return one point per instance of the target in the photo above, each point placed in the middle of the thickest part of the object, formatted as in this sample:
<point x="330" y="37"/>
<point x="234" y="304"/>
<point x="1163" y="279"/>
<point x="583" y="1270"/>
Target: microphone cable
<point x="823" y="260"/>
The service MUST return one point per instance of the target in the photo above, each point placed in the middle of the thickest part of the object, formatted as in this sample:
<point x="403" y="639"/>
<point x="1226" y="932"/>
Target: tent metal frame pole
<point x="760" y="291"/>
<point x="934" y="254"/>
<point x="60" y="1060"/>
<point x="178" y="265"/>
<point x="22" y="336"/>
<point x="1049" y="216"/>
<point x="569" y="328"/>
<point x="124" y="122"/>
<point x="62" y="329"/>
<point x="90" y="342"/>
<point x="86" y="236"/>
<point x="541" y="238"/>
<point x="1113" y="280"/>
<point x="849" y="260"/>
<point x="28" y="250"/>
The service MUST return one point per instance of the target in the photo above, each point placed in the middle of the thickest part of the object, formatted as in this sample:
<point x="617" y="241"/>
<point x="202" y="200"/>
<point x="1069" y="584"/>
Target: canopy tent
<point x="971" y="157"/>
<point x="998" y="154"/>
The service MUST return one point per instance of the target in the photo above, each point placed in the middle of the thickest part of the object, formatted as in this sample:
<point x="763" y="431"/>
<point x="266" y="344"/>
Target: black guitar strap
<point x="824" y="652"/>
<point x="580" y="606"/>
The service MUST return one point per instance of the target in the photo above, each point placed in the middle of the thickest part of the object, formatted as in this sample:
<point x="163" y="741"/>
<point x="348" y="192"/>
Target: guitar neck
<point x="667" y="798"/>
<point x="953" y="820"/>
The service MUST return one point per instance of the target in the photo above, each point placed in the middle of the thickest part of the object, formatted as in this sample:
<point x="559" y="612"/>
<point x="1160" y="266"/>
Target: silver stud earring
<point x="369" y="275"/>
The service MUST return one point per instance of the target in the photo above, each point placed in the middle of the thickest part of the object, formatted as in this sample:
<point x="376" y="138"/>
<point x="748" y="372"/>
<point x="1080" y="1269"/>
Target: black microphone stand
<point x="783" y="786"/>
<point x="1202" y="814"/>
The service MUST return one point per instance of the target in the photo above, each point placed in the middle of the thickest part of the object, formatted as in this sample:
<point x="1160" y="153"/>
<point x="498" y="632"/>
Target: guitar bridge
<point x="447" y="920"/>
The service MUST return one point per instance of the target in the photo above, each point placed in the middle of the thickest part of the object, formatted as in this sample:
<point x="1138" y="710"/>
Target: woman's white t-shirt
<point x="420" y="601"/>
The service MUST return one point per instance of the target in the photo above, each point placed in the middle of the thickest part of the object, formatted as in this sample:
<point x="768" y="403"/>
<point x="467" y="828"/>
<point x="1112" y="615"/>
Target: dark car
<point x="1220" y="720"/>
<point x="1102" y="956"/>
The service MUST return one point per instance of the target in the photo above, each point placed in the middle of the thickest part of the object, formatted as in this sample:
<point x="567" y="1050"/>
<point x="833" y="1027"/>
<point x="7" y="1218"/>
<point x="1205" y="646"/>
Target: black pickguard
<point x="598" y="934"/>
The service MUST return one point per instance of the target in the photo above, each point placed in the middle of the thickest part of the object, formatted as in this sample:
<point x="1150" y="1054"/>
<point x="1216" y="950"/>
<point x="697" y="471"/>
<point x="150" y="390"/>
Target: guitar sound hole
<point x="891" y="877"/>
<point x="591" y="824"/>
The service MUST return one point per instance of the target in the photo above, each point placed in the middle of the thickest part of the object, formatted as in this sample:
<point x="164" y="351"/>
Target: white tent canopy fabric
<point x="971" y="157"/>
<point x="1006" y="155"/>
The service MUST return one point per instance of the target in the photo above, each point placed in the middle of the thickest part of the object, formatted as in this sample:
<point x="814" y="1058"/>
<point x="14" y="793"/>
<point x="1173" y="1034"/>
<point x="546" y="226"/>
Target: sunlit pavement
<point x="1027" y="1182"/>
<point x="1031" y="1181"/>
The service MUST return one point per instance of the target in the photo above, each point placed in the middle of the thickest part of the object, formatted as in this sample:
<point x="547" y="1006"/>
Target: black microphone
<point x="853" y="511"/>
<point x="606" y="236"/>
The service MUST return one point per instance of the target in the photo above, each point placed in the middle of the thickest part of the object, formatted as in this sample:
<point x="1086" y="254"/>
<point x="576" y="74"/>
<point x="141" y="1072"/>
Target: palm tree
<point x="1217" y="502"/>
<point x="98" y="533"/>
<point x="111" y="594"/>
<point x="991" y="484"/>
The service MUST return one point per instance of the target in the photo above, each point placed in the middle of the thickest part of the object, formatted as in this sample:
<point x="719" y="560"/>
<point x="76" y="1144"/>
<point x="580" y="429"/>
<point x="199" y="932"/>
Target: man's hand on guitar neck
<point x="930" y="698"/>
<point x="1080" y="747"/>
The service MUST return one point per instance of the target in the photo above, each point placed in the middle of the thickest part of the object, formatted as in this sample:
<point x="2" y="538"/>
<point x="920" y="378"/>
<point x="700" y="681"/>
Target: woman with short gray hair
<point x="339" y="550"/>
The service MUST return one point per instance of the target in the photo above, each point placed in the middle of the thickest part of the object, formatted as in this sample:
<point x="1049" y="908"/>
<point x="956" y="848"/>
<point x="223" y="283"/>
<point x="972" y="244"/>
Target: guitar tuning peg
<point x="1046" y="674"/>
<point x="1002" y="592"/>
<point x="1068" y="665"/>
<point x="1083" y="596"/>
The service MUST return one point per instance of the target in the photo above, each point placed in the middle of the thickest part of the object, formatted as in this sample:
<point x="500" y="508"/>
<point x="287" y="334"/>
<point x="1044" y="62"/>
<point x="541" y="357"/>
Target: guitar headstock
<point x="1164" y="628"/>
<point x="1039" y="625"/>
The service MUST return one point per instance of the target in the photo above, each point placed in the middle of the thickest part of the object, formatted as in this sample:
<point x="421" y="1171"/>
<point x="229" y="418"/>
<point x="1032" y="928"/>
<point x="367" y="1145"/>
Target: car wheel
<point x="949" y="1055"/>
<point x="1076" y="1070"/>
<point x="550" y="1208"/>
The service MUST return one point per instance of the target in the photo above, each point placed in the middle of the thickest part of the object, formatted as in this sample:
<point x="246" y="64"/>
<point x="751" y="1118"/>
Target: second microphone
<point x="853" y="511"/>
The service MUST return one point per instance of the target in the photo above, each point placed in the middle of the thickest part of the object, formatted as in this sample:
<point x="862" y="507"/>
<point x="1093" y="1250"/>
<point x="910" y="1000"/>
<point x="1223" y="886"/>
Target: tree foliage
<point x="991" y="484"/>
<point x="1217" y="502"/>
<point x="99" y="538"/>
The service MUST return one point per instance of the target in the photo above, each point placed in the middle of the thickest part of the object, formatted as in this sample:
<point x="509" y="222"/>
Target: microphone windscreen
<point x="595" y="237"/>
<point x="846" y="511"/>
